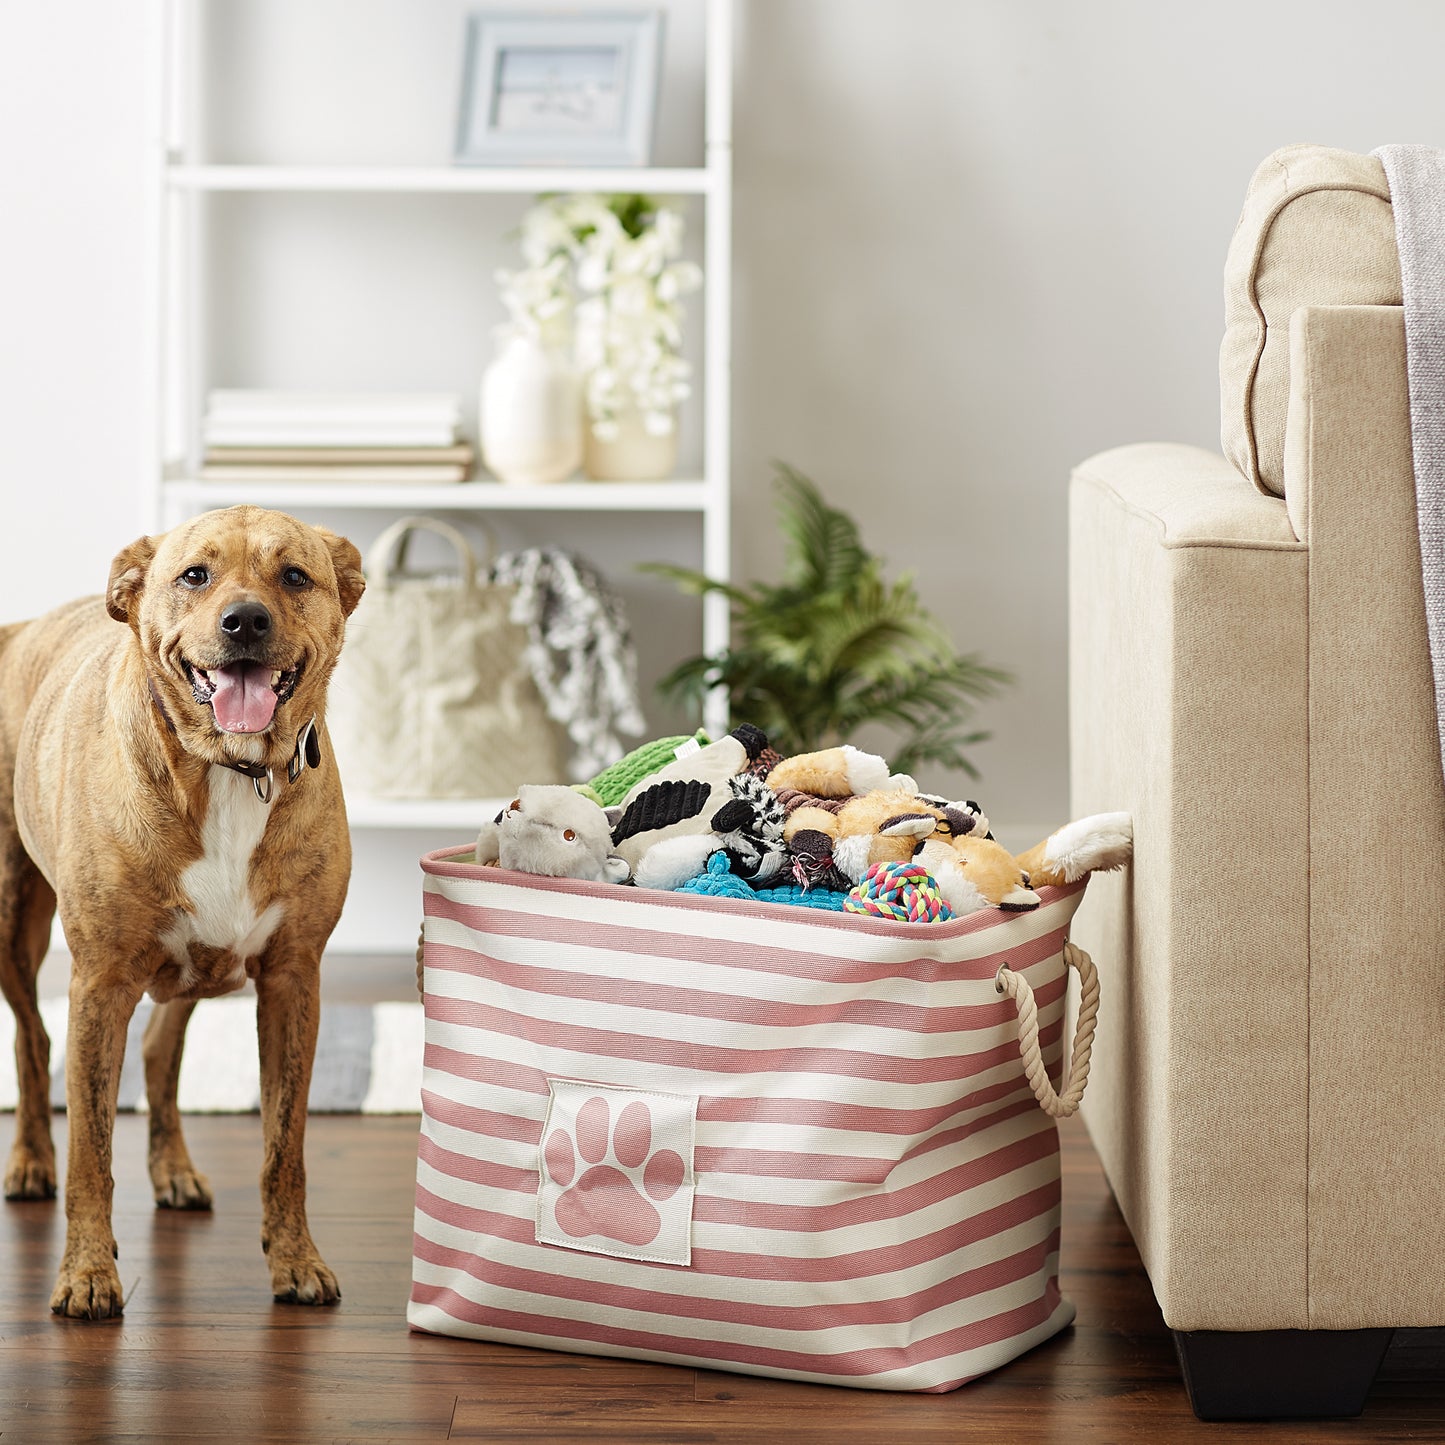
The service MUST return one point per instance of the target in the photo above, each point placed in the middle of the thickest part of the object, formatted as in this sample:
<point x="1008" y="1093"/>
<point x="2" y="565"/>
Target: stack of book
<point x="295" y="436"/>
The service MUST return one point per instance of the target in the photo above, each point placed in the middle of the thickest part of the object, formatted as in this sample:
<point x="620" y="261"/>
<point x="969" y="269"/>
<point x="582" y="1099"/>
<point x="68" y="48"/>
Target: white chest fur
<point x="221" y="912"/>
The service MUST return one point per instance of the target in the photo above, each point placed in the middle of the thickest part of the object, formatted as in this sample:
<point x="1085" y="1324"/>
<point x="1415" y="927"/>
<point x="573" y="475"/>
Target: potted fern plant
<point x="835" y="647"/>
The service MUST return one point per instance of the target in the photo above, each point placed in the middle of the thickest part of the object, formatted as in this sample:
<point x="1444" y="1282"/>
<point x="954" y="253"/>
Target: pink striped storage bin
<point x="741" y="1136"/>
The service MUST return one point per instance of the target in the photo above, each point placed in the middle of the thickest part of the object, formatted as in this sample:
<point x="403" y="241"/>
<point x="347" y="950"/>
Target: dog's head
<point x="239" y="615"/>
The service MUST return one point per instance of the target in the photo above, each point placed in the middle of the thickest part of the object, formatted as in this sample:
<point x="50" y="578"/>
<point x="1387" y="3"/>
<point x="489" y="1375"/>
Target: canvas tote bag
<point x="742" y="1136"/>
<point x="433" y="696"/>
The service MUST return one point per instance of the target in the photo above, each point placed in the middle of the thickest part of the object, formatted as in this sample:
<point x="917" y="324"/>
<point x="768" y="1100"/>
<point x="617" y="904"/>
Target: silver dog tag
<point x="307" y="754"/>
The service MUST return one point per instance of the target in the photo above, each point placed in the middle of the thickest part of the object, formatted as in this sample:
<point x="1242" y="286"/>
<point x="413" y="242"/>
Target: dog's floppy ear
<point x="350" y="584"/>
<point x="127" y="578"/>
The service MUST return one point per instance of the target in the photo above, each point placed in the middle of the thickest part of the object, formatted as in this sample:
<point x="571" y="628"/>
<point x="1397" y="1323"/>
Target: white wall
<point x="974" y="242"/>
<point x="978" y="241"/>
<point x="72" y="121"/>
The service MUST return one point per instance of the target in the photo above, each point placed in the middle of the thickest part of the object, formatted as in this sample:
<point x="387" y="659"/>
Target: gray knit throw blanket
<point x="579" y="651"/>
<point x="1417" y="192"/>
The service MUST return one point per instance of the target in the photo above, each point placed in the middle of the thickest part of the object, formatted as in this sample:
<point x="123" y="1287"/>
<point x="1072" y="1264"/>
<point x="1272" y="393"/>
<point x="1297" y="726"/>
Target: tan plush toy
<point x="1099" y="843"/>
<point x="879" y="827"/>
<point x="844" y="772"/>
<point x="974" y="872"/>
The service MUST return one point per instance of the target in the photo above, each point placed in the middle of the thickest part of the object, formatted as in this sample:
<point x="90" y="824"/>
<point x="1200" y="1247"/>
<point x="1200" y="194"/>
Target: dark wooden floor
<point x="203" y="1354"/>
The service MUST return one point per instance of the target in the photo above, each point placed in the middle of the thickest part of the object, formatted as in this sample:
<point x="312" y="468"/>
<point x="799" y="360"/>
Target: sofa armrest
<point x="1189" y="707"/>
<point x="1193" y="497"/>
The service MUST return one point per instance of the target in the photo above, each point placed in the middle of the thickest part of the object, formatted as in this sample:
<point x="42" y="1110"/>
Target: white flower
<point x="667" y="227"/>
<point x="594" y="269"/>
<point x="632" y="296"/>
<point x="678" y="279"/>
<point x="612" y="296"/>
<point x="545" y="235"/>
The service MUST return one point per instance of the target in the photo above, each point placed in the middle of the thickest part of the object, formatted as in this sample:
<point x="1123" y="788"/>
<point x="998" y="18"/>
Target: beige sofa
<point x="1250" y="676"/>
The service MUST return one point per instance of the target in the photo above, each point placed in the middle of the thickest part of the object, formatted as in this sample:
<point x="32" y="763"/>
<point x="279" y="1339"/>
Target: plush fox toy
<point x="1099" y="843"/>
<point x="880" y="827"/>
<point x="974" y="873"/>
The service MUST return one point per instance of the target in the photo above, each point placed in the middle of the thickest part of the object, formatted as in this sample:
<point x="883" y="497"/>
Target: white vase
<point x="531" y="414"/>
<point x="633" y="455"/>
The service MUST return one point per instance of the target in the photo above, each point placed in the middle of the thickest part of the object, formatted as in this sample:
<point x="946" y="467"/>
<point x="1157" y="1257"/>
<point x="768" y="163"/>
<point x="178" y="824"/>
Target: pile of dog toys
<point x="832" y="829"/>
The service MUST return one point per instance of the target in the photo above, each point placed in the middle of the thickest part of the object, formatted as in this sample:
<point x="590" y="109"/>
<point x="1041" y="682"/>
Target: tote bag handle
<point x="1016" y="986"/>
<point x="389" y="550"/>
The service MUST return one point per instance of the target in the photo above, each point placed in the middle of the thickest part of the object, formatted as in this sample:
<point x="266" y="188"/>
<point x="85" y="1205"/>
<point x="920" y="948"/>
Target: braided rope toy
<point x="904" y="892"/>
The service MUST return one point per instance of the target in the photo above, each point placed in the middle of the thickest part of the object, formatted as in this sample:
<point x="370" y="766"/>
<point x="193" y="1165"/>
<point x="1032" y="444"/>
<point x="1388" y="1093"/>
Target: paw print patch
<point x="616" y="1172"/>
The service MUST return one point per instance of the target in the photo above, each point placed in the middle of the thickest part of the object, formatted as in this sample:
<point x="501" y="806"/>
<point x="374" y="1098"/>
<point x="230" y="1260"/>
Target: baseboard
<point x="368" y="1058"/>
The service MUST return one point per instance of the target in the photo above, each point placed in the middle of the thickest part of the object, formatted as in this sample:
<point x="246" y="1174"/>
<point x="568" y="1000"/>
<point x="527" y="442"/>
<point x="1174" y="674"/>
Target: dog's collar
<point x="307" y="754"/>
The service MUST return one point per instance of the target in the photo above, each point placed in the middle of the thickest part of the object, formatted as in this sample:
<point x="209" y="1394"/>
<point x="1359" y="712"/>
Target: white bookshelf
<point x="187" y="497"/>
<point x="185" y="181"/>
<point x="423" y="814"/>
<point x="511" y="180"/>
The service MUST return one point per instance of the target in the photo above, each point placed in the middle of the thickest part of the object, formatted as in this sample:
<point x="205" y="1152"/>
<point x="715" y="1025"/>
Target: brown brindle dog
<point x="168" y="782"/>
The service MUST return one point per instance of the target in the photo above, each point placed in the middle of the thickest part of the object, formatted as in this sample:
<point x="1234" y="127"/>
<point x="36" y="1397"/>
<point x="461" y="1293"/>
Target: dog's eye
<point x="295" y="577"/>
<point x="195" y="577"/>
<point x="569" y="835"/>
<point x="516" y="806"/>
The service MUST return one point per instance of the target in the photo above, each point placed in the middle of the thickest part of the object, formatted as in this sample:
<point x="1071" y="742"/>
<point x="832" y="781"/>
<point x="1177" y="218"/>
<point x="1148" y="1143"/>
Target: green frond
<point x="825" y="551"/>
<point x="835" y="647"/>
<point x="695" y="584"/>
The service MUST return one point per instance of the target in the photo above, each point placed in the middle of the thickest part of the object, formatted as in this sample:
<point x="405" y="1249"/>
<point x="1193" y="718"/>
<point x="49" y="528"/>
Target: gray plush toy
<point x="553" y="831"/>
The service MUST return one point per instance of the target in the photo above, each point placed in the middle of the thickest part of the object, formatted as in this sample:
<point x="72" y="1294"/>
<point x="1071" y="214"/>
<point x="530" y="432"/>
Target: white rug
<point x="368" y="1058"/>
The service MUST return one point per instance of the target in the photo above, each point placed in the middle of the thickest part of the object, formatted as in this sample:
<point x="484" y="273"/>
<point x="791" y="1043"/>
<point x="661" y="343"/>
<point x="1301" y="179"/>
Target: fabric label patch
<point x="616" y="1172"/>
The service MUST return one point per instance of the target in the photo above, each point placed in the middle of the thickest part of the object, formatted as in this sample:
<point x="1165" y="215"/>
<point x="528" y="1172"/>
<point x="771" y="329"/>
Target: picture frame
<point x="559" y="89"/>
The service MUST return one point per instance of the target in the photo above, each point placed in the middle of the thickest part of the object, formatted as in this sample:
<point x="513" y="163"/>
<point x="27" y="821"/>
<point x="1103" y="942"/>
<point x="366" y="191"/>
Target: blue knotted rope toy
<point x="720" y="882"/>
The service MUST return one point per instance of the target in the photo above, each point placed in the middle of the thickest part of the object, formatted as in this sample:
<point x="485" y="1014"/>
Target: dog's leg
<point x="288" y="1015"/>
<point x="175" y="1180"/>
<point x="101" y="1004"/>
<point x="27" y="906"/>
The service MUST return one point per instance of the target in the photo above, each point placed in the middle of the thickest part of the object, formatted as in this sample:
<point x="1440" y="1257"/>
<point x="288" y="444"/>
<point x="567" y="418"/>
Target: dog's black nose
<point x="245" y="621"/>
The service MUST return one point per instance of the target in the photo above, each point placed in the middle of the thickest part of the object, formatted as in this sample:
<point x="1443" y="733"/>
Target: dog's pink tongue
<point x="243" y="701"/>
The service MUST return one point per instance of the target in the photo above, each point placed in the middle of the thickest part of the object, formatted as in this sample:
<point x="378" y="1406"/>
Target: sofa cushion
<point x="1317" y="230"/>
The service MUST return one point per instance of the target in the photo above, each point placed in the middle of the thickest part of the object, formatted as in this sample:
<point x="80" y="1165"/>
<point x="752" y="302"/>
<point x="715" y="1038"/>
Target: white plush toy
<point x="555" y="832"/>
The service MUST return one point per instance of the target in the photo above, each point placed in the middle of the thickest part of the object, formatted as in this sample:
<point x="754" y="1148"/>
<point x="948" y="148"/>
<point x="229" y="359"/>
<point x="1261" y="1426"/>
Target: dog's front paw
<point x="87" y="1290"/>
<point x="28" y="1175"/>
<point x="180" y="1188"/>
<point x="302" y="1279"/>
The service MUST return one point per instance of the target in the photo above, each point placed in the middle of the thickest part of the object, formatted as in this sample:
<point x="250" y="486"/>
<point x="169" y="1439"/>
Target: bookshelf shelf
<point x="184" y="497"/>
<point x="464" y="815"/>
<point x="434" y="180"/>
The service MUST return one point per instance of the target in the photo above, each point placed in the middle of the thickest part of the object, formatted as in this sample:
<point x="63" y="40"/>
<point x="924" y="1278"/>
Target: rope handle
<point x="388" y="553"/>
<point x="1016" y="986"/>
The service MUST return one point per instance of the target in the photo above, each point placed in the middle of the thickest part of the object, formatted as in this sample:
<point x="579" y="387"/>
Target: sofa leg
<point x="1279" y="1374"/>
